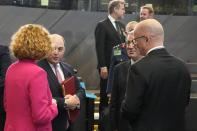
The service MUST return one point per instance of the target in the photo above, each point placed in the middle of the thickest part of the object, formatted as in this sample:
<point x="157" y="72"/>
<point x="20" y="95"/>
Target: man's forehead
<point x="58" y="43"/>
<point x="144" y="10"/>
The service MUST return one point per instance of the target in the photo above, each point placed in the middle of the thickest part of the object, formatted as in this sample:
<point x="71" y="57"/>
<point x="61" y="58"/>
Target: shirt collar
<point x="52" y="66"/>
<point x="155" y="48"/>
<point x="132" y="62"/>
<point x="111" y="19"/>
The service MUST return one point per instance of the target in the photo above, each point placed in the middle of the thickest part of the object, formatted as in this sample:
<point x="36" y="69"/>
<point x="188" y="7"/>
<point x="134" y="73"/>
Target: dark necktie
<point x="57" y="73"/>
<point x="118" y="27"/>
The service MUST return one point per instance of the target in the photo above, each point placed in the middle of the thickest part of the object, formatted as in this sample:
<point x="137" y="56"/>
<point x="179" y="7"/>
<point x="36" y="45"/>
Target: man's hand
<point x="104" y="73"/>
<point x="54" y="101"/>
<point x="109" y="95"/>
<point x="67" y="96"/>
<point x="72" y="101"/>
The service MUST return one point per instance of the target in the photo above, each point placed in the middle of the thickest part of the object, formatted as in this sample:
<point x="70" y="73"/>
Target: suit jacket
<point x="59" y="123"/>
<point x="157" y="93"/>
<point x="27" y="98"/>
<point x="106" y="38"/>
<point x="4" y="63"/>
<point x="118" y="94"/>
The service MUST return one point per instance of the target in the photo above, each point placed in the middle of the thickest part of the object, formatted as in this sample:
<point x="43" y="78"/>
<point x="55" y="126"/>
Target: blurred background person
<point x="108" y="33"/>
<point x="146" y="12"/>
<point x="57" y="72"/>
<point x="27" y="96"/>
<point x="5" y="61"/>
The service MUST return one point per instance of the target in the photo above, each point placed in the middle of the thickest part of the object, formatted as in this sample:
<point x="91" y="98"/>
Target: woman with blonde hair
<point x="27" y="98"/>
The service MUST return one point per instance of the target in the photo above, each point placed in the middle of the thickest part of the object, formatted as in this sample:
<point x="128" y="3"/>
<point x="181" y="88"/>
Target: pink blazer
<point x="27" y="98"/>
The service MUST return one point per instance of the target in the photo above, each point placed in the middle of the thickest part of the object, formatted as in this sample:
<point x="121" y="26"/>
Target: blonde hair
<point x="150" y="9"/>
<point x="114" y="3"/>
<point x="31" y="42"/>
<point x="130" y="26"/>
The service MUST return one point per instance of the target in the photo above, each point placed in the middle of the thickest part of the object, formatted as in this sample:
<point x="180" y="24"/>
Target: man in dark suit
<point x="119" y="55"/>
<point x="118" y="123"/>
<point x="5" y="61"/>
<point x="57" y="71"/>
<point x="158" y="88"/>
<point x="108" y="33"/>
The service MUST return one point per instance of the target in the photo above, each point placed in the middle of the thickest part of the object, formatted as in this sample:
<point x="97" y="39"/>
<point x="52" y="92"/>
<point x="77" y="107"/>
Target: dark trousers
<point x="2" y="120"/>
<point x="103" y="102"/>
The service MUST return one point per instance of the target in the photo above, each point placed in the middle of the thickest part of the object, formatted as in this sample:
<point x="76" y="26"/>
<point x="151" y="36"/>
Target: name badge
<point x="117" y="52"/>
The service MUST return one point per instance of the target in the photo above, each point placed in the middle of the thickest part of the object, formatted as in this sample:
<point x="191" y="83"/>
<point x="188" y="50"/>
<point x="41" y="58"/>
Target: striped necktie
<point x="57" y="73"/>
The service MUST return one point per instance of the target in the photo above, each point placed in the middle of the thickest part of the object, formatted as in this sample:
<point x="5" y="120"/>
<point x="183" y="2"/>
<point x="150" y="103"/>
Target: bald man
<point x="57" y="71"/>
<point x="158" y="88"/>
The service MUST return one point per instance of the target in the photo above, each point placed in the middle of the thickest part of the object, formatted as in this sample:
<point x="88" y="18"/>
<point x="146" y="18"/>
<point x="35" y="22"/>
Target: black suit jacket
<point x="4" y="63"/>
<point x="157" y="93"/>
<point x="106" y="38"/>
<point x="118" y="94"/>
<point x="59" y="123"/>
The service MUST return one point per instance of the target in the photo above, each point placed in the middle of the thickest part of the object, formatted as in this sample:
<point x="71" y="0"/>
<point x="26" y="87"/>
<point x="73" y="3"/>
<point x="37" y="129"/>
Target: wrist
<point x="65" y="105"/>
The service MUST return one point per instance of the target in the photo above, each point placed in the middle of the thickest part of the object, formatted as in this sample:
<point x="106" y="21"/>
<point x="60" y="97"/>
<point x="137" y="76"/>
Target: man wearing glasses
<point x="118" y="123"/>
<point x="158" y="88"/>
<point x="119" y="54"/>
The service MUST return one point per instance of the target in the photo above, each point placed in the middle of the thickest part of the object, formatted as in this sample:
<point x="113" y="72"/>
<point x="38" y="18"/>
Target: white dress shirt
<point x="59" y="69"/>
<point x="112" y="21"/>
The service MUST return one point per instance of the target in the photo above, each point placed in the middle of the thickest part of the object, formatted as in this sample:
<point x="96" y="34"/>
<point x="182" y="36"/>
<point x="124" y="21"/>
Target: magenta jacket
<point x="27" y="98"/>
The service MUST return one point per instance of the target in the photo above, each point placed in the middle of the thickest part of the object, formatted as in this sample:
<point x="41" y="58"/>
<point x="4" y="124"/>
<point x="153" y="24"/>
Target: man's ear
<point x="115" y="9"/>
<point x="147" y="38"/>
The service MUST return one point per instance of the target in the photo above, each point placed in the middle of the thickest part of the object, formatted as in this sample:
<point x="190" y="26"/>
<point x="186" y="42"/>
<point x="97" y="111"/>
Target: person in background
<point x="108" y="33"/>
<point x="118" y="123"/>
<point x="158" y="87"/>
<point x="146" y="12"/>
<point x="5" y="61"/>
<point x="27" y="96"/>
<point x="119" y="54"/>
<point x="57" y="72"/>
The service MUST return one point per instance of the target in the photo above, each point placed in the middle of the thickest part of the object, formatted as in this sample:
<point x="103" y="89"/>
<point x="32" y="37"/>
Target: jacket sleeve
<point x="135" y="90"/>
<point x="100" y="35"/>
<point x="79" y="90"/>
<point x="111" y="74"/>
<point x="43" y="111"/>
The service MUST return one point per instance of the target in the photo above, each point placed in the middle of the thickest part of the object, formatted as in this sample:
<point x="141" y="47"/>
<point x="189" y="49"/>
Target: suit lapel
<point x="50" y="73"/>
<point x="65" y="70"/>
<point x="112" y="28"/>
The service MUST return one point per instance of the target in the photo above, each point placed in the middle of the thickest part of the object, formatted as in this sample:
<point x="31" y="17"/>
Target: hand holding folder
<point x="69" y="87"/>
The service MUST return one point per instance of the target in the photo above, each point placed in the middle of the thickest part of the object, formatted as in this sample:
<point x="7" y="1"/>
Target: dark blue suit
<point x="119" y="54"/>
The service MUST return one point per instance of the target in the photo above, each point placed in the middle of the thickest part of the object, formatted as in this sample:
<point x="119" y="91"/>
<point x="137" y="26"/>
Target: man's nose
<point x="55" y="51"/>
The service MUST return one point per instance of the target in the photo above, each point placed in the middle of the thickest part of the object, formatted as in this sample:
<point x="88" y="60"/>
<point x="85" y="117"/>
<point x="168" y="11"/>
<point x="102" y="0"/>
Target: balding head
<point x="59" y="48"/>
<point x="152" y="32"/>
<point x="57" y="37"/>
<point x="130" y="26"/>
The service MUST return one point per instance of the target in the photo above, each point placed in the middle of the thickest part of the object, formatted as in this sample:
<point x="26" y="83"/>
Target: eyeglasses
<point x="134" y="40"/>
